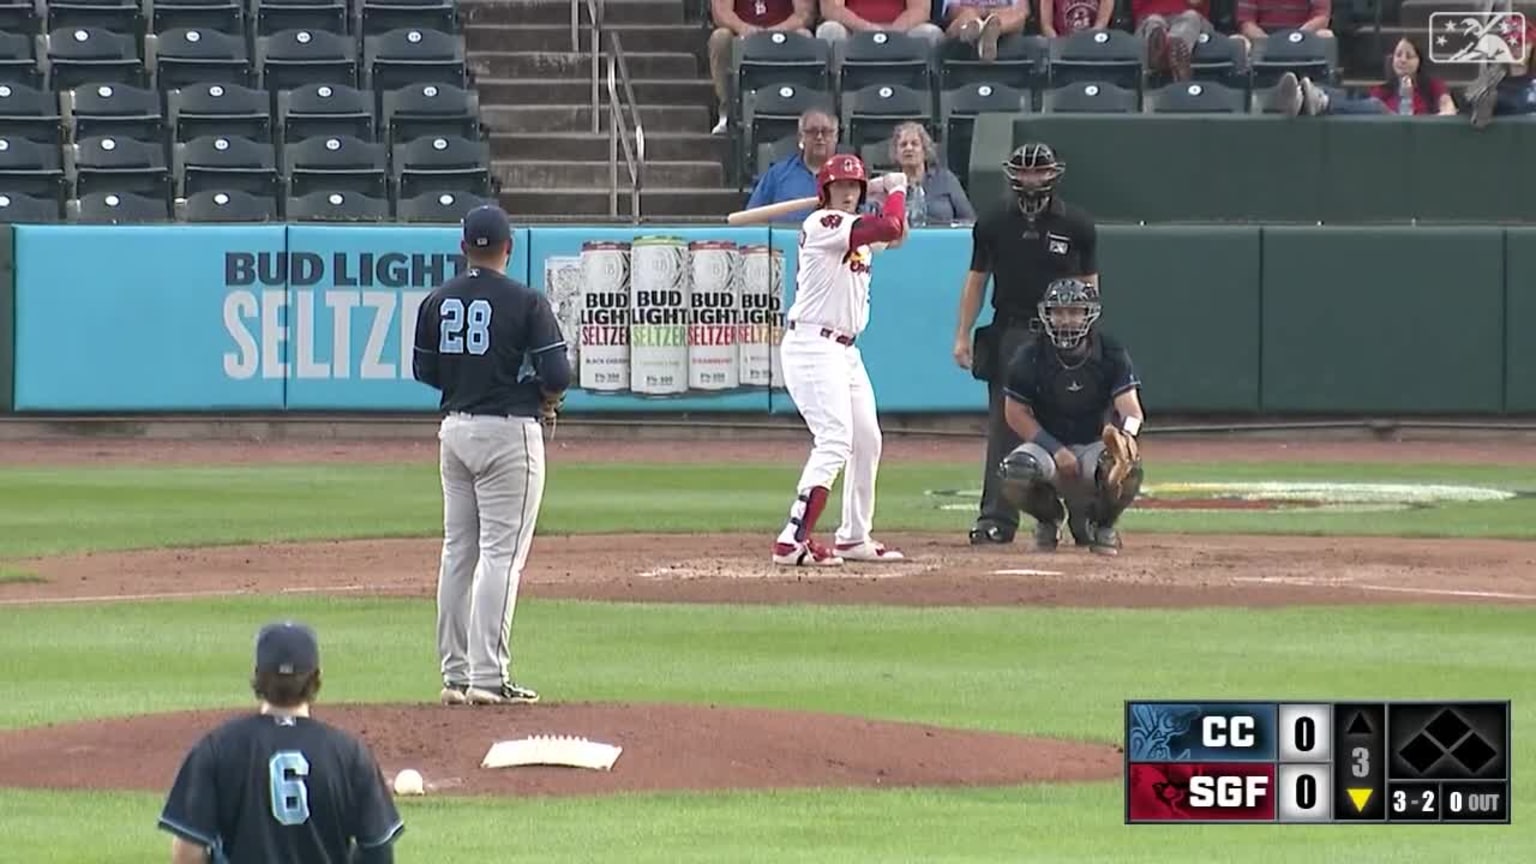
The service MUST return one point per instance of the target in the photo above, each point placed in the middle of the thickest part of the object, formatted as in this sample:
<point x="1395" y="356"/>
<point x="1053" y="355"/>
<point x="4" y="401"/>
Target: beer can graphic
<point x="761" y="319"/>
<point x="714" y="300"/>
<point x="604" y="342"/>
<point x="658" y="332"/>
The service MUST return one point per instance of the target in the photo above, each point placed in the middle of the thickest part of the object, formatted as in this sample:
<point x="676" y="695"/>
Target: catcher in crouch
<point x="1071" y="393"/>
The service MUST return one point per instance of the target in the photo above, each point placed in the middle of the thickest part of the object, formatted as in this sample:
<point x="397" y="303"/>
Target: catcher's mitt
<point x="1122" y="453"/>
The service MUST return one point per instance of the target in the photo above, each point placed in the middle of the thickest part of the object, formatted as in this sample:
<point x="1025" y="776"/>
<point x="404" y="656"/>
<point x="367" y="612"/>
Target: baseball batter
<point x="823" y="369"/>
<point x="492" y="346"/>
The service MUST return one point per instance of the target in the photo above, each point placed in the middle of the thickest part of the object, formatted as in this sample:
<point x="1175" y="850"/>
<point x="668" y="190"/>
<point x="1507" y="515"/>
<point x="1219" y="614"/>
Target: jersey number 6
<point x="290" y="796"/>
<point x="454" y="336"/>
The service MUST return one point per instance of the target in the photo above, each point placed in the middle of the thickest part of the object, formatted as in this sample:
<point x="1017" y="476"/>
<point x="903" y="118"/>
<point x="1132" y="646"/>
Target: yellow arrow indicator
<point x="1360" y="796"/>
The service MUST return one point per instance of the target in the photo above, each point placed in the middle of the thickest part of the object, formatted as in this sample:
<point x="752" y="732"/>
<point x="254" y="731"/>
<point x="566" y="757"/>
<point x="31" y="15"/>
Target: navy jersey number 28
<point x="460" y="328"/>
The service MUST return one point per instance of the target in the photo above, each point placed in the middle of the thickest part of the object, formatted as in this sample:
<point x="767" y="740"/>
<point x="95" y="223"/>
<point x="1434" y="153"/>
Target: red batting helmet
<point x="842" y="166"/>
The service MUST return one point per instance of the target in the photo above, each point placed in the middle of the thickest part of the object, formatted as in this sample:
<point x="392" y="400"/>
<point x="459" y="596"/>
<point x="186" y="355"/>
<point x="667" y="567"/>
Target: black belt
<point x="828" y="333"/>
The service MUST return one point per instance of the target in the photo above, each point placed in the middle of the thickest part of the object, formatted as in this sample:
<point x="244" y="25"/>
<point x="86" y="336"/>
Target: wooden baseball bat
<point x="769" y="212"/>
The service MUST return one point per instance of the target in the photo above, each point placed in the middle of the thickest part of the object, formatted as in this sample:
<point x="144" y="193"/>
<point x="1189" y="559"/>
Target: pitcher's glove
<point x="549" y="408"/>
<point x="1123" y="454"/>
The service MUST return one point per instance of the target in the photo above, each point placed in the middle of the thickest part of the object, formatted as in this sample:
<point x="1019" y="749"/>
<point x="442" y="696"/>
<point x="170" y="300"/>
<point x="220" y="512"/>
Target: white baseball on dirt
<point x="409" y="782"/>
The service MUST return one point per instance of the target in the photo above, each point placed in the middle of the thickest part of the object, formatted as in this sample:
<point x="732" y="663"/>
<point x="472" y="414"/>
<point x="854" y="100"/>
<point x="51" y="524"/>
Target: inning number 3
<point x="290" y="796"/>
<point x="454" y="336"/>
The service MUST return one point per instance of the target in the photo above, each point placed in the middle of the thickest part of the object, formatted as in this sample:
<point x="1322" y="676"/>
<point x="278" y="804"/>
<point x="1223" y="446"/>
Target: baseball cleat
<point x="506" y="694"/>
<point x="984" y="534"/>
<point x="455" y="694"/>
<point x="1047" y="535"/>
<point x="868" y="550"/>
<point x="805" y="554"/>
<point x="1106" y="540"/>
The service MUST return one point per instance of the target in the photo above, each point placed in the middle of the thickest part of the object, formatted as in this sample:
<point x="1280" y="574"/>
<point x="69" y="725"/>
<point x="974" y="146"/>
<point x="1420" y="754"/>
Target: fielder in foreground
<point x="493" y="347"/>
<point x="824" y="371"/>
<point x="280" y="785"/>
<point x="1072" y="395"/>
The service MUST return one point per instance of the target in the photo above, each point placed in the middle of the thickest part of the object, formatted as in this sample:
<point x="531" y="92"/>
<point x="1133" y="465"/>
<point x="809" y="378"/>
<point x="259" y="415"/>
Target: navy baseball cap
<point x="487" y="227"/>
<point x="287" y="648"/>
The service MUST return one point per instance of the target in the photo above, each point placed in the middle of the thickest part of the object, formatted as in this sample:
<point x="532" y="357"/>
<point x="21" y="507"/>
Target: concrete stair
<point x="536" y="102"/>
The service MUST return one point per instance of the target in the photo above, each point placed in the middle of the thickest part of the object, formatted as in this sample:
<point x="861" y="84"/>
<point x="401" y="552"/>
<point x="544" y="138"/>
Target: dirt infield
<point x="699" y="747"/>
<point x="665" y="747"/>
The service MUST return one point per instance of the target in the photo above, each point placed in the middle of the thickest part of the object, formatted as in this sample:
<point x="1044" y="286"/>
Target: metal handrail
<point x="618" y="131"/>
<point x="595" y="9"/>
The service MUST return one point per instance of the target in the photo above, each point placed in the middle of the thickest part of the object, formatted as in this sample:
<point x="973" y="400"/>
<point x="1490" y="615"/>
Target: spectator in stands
<point x="982" y="22"/>
<point x="1171" y="28"/>
<point x="1503" y="89"/>
<point x="1065" y="17"/>
<point x="794" y="176"/>
<point x="1256" y="19"/>
<point x="841" y="17"/>
<point x="737" y="18"/>
<point x="1409" y="90"/>
<point x="934" y="193"/>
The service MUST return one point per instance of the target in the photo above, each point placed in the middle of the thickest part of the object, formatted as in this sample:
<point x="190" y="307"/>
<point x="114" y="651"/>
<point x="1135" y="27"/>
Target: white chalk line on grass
<point x="180" y="595"/>
<point x="1343" y="582"/>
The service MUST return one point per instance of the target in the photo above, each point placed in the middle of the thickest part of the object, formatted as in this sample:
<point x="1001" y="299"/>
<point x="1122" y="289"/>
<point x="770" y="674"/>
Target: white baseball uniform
<point x="824" y="371"/>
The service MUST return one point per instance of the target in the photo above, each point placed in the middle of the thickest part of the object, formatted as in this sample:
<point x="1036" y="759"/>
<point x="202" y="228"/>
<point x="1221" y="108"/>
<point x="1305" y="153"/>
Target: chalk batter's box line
<point x="1387" y="705"/>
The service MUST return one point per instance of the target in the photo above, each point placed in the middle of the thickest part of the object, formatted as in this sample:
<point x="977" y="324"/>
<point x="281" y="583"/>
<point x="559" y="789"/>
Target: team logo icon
<point x="1477" y="37"/>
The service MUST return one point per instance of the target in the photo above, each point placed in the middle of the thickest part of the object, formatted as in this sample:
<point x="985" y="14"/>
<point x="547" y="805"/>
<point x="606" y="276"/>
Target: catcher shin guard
<point x="803" y="515"/>
<point x="1028" y="474"/>
<point x="1118" y="484"/>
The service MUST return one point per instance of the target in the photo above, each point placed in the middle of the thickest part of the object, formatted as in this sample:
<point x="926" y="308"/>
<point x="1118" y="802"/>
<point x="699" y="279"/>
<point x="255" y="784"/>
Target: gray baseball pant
<point x="1079" y="492"/>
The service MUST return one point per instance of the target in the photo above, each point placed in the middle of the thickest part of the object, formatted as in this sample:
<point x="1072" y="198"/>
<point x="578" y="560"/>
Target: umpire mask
<point x="1068" y="310"/>
<point x="1032" y="171"/>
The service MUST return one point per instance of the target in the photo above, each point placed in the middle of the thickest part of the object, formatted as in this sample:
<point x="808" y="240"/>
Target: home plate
<point x="1026" y="572"/>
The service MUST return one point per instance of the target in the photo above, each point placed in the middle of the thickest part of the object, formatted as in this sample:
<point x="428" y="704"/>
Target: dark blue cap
<point x="287" y="648"/>
<point x="487" y="227"/>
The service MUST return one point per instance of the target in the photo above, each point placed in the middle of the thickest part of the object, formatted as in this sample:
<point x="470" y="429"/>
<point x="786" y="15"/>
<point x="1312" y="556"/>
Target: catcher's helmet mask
<point x="841" y="166"/>
<point x="1068" y="332"/>
<point x="1033" y="171"/>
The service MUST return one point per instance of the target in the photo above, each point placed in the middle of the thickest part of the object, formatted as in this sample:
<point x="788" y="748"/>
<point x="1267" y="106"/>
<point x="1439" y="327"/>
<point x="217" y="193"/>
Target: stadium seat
<point x="776" y="58"/>
<point x="18" y="60"/>
<point x="872" y="57"/>
<point x="430" y="109"/>
<point x="118" y="16"/>
<point x="110" y="164"/>
<point x="113" y="111"/>
<point x="32" y="114"/>
<point x="1112" y="56"/>
<point x="217" y="163"/>
<point x="30" y="168"/>
<point x="20" y="18"/>
<point x="1090" y="97"/>
<point x="1196" y="97"/>
<point x="324" y="110"/>
<point x="400" y="58"/>
<point x="438" y="207"/>
<point x="1304" y="53"/>
<point x="870" y="114"/>
<point x="225" y="16"/>
<point x="219" y="109"/>
<point x="226" y="206"/>
<point x="1023" y="63"/>
<point x="876" y="156"/>
<point x="957" y="117"/>
<point x="772" y="112"/>
<point x="442" y="164"/>
<point x="381" y="16"/>
<point x="1217" y="57"/>
<point x="276" y="16"/>
<point x="178" y="58"/>
<point x="118" y="208"/>
<point x="337" y="207"/>
<point x="337" y="163"/>
<point x="294" y="58"/>
<point x="87" y="55"/>
<point x="17" y="209"/>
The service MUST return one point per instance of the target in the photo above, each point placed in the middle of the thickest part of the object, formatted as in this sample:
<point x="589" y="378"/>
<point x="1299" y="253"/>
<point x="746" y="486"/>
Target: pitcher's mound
<point x="665" y="747"/>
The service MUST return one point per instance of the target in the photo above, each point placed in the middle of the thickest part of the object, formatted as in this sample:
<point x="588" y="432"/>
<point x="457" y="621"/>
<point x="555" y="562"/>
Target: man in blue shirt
<point x="794" y="176"/>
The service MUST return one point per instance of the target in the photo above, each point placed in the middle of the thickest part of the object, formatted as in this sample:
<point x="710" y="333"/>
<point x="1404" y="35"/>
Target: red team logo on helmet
<point x="841" y="167"/>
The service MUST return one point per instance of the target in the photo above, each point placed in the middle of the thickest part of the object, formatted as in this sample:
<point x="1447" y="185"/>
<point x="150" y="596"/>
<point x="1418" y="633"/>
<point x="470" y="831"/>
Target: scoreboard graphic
<point x="1317" y="762"/>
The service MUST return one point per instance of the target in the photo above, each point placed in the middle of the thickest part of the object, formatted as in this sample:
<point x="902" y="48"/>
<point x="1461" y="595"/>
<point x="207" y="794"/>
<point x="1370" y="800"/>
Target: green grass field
<point x="1058" y="672"/>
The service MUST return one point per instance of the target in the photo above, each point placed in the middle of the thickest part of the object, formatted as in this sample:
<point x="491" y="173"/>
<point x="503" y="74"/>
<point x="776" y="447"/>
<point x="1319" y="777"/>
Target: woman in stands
<point x="934" y="194"/>
<point x="1409" y="90"/>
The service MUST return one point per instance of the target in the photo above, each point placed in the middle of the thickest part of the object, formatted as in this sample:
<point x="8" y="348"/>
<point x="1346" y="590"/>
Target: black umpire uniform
<point x="1024" y="249"/>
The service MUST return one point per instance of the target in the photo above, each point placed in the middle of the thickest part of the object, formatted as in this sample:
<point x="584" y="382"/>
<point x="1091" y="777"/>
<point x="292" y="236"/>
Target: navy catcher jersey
<point x="488" y="343"/>
<point x="1071" y="399"/>
<point x="260" y="789"/>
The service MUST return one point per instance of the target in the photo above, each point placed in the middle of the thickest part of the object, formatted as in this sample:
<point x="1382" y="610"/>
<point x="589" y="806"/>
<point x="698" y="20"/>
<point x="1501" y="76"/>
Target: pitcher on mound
<point x="823" y="369"/>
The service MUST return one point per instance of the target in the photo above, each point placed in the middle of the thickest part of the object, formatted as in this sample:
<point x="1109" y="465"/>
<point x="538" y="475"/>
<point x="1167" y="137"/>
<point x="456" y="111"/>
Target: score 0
<point x="1304" y="778"/>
